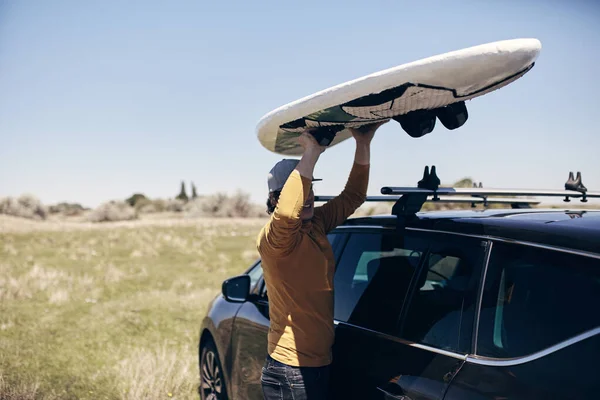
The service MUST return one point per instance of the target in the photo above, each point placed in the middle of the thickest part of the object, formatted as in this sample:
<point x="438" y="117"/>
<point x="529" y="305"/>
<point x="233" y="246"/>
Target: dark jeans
<point x="283" y="382"/>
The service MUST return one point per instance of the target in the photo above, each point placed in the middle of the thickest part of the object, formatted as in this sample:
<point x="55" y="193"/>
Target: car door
<point x="249" y="338"/>
<point x="405" y="329"/>
<point x="538" y="333"/>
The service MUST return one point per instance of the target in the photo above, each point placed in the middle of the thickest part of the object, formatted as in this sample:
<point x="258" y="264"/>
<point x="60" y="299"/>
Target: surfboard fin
<point x="453" y="115"/>
<point x="325" y="134"/>
<point x="417" y="123"/>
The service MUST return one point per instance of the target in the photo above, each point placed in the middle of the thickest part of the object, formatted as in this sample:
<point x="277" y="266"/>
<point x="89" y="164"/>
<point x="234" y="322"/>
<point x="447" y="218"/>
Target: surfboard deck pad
<point x="415" y="95"/>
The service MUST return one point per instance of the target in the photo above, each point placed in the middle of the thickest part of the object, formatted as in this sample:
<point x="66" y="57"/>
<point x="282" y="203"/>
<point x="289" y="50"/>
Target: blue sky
<point x="102" y="99"/>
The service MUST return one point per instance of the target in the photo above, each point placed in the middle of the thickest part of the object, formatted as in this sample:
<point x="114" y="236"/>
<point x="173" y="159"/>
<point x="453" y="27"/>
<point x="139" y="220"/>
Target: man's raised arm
<point x="337" y="210"/>
<point x="279" y="237"/>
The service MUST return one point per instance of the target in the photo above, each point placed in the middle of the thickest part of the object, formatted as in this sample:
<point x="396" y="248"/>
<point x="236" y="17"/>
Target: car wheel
<point x="212" y="382"/>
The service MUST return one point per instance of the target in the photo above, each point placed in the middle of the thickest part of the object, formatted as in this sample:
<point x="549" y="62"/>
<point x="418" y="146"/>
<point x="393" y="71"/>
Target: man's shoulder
<point x="262" y="233"/>
<point x="319" y="217"/>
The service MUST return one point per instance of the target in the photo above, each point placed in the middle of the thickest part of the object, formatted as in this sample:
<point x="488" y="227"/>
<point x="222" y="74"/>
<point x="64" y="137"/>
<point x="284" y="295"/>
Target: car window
<point x="535" y="298"/>
<point x="255" y="274"/>
<point x="440" y="310"/>
<point x="372" y="278"/>
<point x="333" y="237"/>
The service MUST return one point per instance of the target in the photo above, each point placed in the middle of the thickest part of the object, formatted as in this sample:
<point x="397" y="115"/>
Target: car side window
<point x="372" y="278"/>
<point x="332" y="237"/>
<point x="440" y="311"/>
<point x="255" y="274"/>
<point x="535" y="298"/>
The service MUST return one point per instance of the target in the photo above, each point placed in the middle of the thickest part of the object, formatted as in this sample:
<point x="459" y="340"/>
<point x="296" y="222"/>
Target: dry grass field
<point x="112" y="310"/>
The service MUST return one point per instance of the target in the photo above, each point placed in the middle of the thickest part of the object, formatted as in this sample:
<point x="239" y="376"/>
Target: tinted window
<point x="441" y="308"/>
<point x="373" y="276"/>
<point x="255" y="274"/>
<point x="535" y="298"/>
<point x="332" y="238"/>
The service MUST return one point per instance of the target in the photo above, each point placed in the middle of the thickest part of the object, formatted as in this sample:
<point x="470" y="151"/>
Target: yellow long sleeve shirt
<point x="299" y="265"/>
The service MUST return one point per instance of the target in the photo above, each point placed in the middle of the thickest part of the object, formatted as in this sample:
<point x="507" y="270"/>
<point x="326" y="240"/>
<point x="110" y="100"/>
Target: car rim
<point x="212" y="384"/>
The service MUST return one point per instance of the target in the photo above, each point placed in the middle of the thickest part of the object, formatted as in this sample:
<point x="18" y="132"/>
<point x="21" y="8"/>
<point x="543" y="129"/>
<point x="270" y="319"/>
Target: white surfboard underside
<point x="430" y="83"/>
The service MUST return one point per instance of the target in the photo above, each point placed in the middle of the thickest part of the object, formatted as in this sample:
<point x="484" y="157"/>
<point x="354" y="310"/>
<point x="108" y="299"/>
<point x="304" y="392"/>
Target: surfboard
<point x="415" y="95"/>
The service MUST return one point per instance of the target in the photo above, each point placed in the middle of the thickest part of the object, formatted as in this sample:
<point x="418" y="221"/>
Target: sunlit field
<point x="111" y="311"/>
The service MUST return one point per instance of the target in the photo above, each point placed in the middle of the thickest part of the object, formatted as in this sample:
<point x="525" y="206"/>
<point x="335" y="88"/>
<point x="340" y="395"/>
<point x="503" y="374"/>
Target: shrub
<point x="150" y="206"/>
<point x="26" y="206"/>
<point x="174" y="205"/>
<point x="215" y="205"/>
<point x="113" y="211"/>
<point x="68" y="209"/>
<point x="240" y="205"/>
<point x="221" y="205"/>
<point x="160" y="205"/>
<point x="136" y="198"/>
<point x="141" y="203"/>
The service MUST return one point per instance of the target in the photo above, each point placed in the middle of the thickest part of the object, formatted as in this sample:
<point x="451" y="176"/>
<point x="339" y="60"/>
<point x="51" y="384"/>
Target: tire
<point x="212" y="381"/>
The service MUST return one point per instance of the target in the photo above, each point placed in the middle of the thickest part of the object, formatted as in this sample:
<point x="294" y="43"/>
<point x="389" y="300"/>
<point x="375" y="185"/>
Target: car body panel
<point x="370" y="365"/>
<point x="569" y="373"/>
<point x="218" y="324"/>
<point x="249" y="349"/>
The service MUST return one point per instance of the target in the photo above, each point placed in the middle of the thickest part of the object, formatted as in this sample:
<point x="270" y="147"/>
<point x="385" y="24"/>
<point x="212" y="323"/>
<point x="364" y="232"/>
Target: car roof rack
<point x="410" y="200"/>
<point x="513" y="202"/>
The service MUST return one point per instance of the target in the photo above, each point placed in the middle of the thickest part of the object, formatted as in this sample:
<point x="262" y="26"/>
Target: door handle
<point x="389" y="395"/>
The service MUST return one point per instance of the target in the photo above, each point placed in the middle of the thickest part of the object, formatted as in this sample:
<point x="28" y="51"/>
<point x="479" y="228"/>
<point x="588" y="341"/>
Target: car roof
<point x="575" y="229"/>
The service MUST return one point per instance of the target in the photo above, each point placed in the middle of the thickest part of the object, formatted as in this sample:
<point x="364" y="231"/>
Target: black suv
<point x="470" y="304"/>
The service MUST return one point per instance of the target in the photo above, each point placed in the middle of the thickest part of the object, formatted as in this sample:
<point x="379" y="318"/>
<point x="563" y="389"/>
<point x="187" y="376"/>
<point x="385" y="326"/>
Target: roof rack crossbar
<point x="479" y="192"/>
<point x="453" y="199"/>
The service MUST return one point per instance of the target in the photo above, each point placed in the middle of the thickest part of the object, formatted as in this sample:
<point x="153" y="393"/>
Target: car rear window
<point x="535" y="298"/>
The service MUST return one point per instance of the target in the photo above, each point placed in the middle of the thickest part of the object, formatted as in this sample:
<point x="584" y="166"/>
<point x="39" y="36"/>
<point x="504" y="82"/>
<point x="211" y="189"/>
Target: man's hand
<point x="363" y="137"/>
<point x="312" y="151"/>
<point x="365" y="133"/>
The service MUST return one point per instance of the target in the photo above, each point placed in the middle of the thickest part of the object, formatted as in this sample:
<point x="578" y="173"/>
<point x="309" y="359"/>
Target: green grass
<point x="112" y="312"/>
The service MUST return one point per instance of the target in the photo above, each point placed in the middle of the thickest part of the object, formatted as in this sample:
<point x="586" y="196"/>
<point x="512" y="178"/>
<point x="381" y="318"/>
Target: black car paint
<point x="371" y="365"/>
<point x="248" y="343"/>
<point x="217" y="326"/>
<point x="426" y="374"/>
<point x="570" y="373"/>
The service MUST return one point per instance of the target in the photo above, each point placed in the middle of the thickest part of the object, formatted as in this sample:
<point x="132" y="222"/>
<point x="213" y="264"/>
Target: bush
<point x="220" y="205"/>
<point x="113" y="211"/>
<point x="141" y="203"/>
<point x="150" y="206"/>
<point x="174" y="205"/>
<point x="137" y="198"/>
<point x="160" y="205"/>
<point x="26" y="206"/>
<point x="68" y="209"/>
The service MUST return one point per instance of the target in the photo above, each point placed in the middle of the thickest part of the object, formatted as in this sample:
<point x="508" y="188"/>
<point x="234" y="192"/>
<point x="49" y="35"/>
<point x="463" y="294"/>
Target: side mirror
<point x="236" y="289"/>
